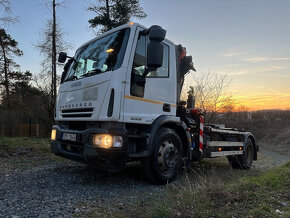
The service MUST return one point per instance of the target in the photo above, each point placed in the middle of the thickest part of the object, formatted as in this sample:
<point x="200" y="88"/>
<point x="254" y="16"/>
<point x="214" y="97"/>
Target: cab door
<point x="155" y="95"/>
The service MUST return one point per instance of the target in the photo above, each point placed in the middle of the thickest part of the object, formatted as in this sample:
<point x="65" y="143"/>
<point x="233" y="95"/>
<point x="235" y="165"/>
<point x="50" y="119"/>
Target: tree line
<point x="26" y="95"/>
<point x="31" y="96"/>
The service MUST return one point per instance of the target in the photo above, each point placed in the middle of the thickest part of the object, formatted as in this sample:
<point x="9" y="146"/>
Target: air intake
<point x="74" y="113"/>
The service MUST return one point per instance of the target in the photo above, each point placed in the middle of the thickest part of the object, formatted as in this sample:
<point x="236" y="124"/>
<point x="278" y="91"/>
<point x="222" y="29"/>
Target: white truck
<point x="119" y="101"/>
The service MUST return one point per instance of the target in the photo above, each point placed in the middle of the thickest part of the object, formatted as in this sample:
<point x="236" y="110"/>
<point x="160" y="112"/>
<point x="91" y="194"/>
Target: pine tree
<point x="8" y="67"/>
<point x="113" y="13"/>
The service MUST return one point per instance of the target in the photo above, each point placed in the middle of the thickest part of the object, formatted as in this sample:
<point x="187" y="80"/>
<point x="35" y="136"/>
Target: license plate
<point x="69" y="136"/>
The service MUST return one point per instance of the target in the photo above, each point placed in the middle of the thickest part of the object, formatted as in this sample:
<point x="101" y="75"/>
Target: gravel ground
<point x="56" y="188"/>
<point x="62" y="189"/>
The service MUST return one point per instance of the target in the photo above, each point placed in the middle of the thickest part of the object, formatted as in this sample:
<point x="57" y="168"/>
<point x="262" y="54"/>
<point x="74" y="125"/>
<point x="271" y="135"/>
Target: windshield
<point x="102" y="55"/>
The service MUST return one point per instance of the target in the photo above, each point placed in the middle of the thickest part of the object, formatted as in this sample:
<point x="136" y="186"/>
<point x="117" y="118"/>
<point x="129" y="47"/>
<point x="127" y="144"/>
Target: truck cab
<point x="119" y="101"/>
<point x="103" y="83"/>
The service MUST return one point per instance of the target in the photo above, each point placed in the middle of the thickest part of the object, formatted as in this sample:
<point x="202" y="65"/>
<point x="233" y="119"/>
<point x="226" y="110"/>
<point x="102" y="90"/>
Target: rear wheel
<point x="163" y="163"/>
<point x="245" y="160"/>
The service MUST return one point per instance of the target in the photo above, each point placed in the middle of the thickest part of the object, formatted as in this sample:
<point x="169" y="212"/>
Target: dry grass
<point x="22" y="152"/>
<point x="210" y="196"/>
<point x="207" y="193"/>
<point x="23" y="146"/>
<point x="213" y="189"/>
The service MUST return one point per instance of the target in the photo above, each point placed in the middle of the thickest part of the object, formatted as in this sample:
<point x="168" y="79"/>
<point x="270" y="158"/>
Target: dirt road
<point x="268" y="158"/>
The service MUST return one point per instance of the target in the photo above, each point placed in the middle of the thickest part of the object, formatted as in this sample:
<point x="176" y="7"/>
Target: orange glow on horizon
<point x="262" y="102"/>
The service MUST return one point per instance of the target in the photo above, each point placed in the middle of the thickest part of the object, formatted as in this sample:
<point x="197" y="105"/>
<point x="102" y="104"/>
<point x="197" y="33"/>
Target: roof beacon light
<point x="110" y="50"/>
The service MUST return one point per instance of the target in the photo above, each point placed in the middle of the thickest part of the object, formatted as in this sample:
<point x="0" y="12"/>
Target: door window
<point x="139" y="63"/>
<point x="162" y="71"/>
<point x="139" y="66"/>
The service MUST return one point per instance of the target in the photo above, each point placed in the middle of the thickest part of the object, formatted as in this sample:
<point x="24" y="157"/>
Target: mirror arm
<point x="143" y="32"/>
<point x="145" y="72"/>
<point x="72" y="58"/>
<point x="148" y="70"/>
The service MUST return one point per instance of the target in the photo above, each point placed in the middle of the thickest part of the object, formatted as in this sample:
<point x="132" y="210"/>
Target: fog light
<point x="53" y="134"/>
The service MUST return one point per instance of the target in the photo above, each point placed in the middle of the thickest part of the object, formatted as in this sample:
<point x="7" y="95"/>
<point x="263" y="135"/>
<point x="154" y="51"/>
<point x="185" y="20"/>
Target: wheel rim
<point x="249" y="154"/>
<point x="167" y="156"/>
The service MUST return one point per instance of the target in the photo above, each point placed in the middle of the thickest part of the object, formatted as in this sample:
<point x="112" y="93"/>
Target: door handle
<point x="166" y="107"/>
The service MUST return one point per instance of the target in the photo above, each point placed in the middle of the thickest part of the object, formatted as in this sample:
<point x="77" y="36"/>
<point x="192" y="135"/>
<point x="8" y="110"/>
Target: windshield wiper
<point x="71" y="78"/>
<point x="92" y="72"/>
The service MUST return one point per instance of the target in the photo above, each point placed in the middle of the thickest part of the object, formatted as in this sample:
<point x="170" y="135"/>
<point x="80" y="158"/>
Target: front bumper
<point x="82" y="150"/>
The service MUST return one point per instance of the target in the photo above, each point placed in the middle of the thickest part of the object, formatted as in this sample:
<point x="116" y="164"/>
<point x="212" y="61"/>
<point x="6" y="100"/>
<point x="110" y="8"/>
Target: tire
<point x="163" y="163"/>
<point x="245" y="160"/>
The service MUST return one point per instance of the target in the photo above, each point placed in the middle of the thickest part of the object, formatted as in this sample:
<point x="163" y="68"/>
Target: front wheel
<point x="163" y="163"/>
<point x="245" y="160"/>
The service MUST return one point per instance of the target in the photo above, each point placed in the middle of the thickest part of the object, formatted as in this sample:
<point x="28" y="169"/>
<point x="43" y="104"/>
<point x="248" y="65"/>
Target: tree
<point x="18" y="81"/>
<point x="28" y="103"/>
<point x="51" y="42"/>
<point x="210" y="94"/>
<point x="8" y="50"/>
<point x="113" y="13"/>
<point x="5" y="4"/>
<point x="5" y="9"/>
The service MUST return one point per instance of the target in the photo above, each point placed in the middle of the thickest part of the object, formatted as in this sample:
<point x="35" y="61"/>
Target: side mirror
<point x="62" y="57"/>
<point x="155" y="48"/>
<point x="157" y="34"/>
<point x="154" y="55"/>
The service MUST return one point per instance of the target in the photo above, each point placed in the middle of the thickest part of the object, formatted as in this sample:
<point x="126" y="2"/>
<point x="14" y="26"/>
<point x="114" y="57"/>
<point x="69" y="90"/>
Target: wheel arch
<point x="175" y="124"/>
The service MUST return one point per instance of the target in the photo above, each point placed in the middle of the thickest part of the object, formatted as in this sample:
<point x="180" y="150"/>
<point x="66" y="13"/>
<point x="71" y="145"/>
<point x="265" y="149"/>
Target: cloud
<point x="258" y="70"/>
<point x="260" y="87"/>
<point x="233" y="54"/>
<point x="278" y="68"/>
<point x="259" y="59"/>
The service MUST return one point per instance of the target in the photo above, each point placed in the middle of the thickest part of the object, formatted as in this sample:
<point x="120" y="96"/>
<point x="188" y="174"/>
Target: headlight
<point x="102" y="140"/>
<point x="107" y="141"/>
<point x="53" y="134"/>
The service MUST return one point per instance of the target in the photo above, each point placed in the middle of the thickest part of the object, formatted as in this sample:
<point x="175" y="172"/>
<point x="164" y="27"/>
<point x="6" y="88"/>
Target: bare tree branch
<point x="51" y="42"/>
<point x="210" y="93"/>
<point x="6" y="19"/>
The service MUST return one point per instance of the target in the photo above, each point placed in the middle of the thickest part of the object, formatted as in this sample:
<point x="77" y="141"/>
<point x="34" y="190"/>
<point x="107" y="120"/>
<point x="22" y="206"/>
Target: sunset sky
<point x="247" y="40"/>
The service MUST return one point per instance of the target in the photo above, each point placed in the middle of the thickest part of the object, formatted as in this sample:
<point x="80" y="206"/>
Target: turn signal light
<point x="53" y="134"/>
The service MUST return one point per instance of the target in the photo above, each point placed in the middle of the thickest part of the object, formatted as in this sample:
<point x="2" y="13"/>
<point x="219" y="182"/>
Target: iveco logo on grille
<point x="76" y="84"/>
<point x="77" y="105"/>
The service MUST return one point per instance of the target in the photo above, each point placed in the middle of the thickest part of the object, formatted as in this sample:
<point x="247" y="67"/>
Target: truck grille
<point x="72" y="113"/>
